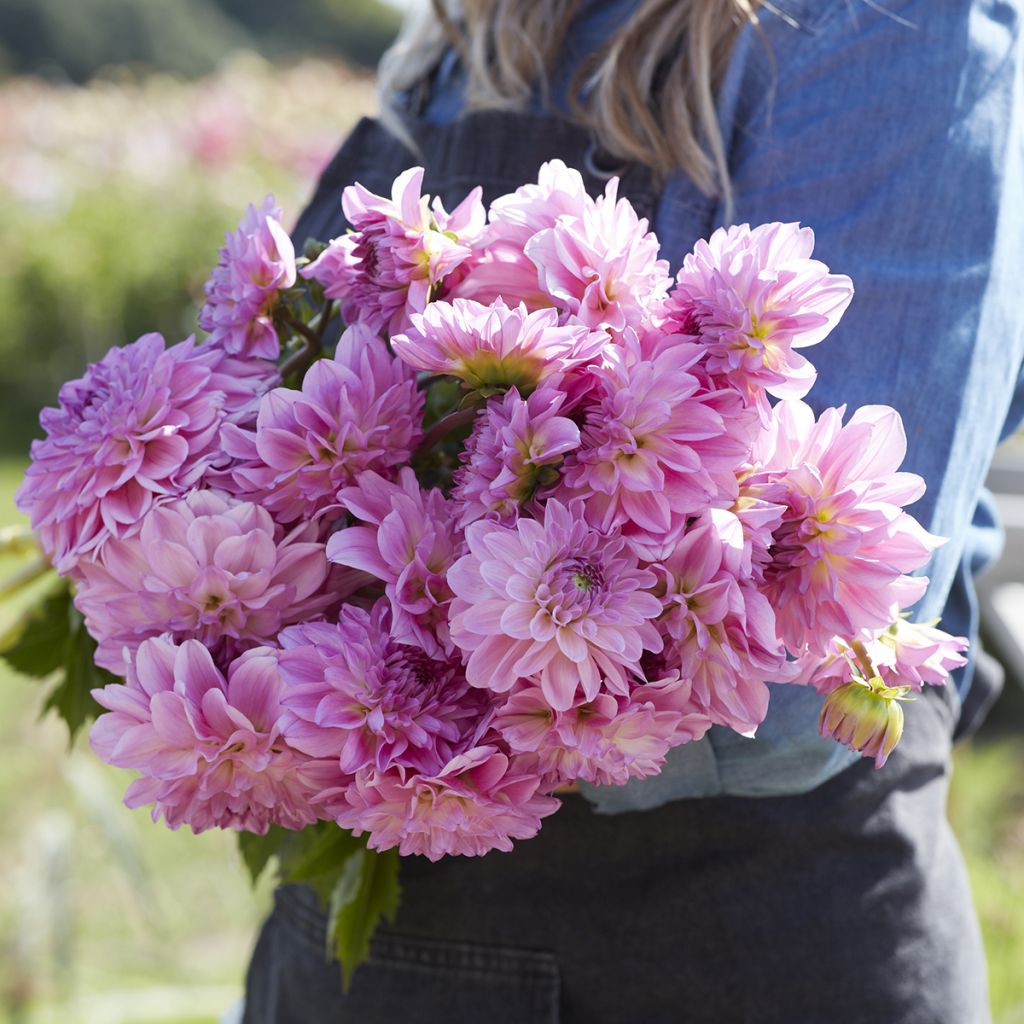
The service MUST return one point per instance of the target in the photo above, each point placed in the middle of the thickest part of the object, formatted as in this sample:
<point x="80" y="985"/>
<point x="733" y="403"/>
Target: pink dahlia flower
<point x="512" y="457"/>
<point x="480" y="800"/>
<point x="256" y="263"/>
<point x="500" y="267"/>
<point x="654" y="450"/>
<point x="244" y="382"/>
<point x="906" y="653"/>
<point x="409" y="543"/>
<point x="491" y="348"/>
<point x="137" y="430"/>
<point x="360" y="410"/>
<point x="607" y="740"/>
<point x="754" y="295"/>
<point x="602" y="267"/>
<point x="400" y="249"/>
<point x="208" y="747"/>
<point x="840" y="554"/>
<point x="203" y="567"/>
<point x="720" y="631"/>
<point x="365" y="700"/>
<point x="554" y="600"/>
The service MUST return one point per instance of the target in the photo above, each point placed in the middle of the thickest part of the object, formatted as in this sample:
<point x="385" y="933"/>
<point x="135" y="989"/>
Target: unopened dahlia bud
<point x="866" y="715"/>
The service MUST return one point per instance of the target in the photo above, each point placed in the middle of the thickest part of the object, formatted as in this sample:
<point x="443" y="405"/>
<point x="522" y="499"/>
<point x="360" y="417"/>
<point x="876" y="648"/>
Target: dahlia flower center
<point x="484" y="370"/>
<point x="585" y="575"/>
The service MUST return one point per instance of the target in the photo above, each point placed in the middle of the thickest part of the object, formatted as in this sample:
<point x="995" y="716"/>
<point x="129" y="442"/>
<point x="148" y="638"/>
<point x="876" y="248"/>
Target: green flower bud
<point x="865" y="715"/>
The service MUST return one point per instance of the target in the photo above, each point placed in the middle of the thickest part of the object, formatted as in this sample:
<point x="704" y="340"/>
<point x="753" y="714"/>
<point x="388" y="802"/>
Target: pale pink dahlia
<point x="554" y="600"/>
<point x="512" y="457"/>
<point x="500" y="267"/>
<point x="753" y="295"/>
<point x="654" y="450"/>
<point x="138" y="429"/>
<point x="256" y="263"/>
<point x="203" y="567"/>
<point x="606" y="740"/>
<point x="399" y="250"/>
<point x="719" y="630"/>
<point x="490" y="348"/>
<point x="208" y="746"/>
<point x="479" y="801"/>
<point x="906" y="653"/>
<point x="840" y="554"/>
<point x="602" y="266"/>
<point x="360" y="410"/>
<point x="365" y="700"/>
<point x="410" y="541"/>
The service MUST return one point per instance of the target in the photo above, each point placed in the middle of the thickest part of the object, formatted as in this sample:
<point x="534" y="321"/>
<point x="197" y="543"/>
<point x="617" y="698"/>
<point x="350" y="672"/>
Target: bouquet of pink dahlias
<point x="459" y="509"/>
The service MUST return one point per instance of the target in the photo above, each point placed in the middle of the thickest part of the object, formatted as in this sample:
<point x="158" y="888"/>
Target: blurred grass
<point x="106" y="918"/>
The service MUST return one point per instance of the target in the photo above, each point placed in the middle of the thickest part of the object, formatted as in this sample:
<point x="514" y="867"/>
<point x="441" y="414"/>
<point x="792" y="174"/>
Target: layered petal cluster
<point x="360" y="410"/>
<point x="906" y="654"/>
<point x="365" y="700"/>
<point x="410" y="540"/>
<point x="207" y="745"/>
<point x="491" y="348"/>
<point x="601" y="266"/>
<point x="479" y="801"/>
<point x="552" y="600"/>
<point x="256" y="263"/>
<point x="399" y="250"/>
<point x="202" y="567"/>
<point x="844" y="545"/>
<point x="606" y="740"/>
<point x="656" y="449"/>
<point x="754" y="296"/>
<point x="500" y="267"/>
<point x="510" y="462"/>
<point x="719" y="630"/>
<point x="137" y="430"/>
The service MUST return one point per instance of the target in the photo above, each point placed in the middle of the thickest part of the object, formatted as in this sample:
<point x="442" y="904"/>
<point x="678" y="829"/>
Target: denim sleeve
<point x="898" y="136"/>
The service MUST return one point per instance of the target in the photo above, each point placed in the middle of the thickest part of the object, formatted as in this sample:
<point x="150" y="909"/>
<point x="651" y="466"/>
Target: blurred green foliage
<point x="74" y="39"/>
<point x="116" y="197"/>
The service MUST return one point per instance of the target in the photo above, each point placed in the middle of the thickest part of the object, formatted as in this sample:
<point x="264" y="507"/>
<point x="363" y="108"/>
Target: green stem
<point x="313" y="341"/>
<point x="445" y="426"/>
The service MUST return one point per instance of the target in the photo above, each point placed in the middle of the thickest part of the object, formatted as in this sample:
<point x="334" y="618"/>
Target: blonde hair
<point x="648" y="94"/>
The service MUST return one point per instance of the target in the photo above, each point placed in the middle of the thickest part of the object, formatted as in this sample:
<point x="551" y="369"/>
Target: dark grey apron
<point x="847" y="905"/>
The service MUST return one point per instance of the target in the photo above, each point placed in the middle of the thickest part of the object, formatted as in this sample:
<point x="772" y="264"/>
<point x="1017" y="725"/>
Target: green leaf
<point x="317" y="858"/>
<point x="36" y="643"/>
<point x="367" y="891"/>
<point x="258" y="851"/>
<point x="71" y="698"/>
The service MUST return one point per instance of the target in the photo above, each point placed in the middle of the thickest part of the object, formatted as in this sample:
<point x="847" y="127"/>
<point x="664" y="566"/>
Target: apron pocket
<point x="428" y="981"/>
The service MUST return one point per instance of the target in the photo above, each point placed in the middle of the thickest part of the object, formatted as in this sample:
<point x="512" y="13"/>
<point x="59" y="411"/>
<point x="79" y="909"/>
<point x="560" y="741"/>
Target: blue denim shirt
<point x="897" y="134"/>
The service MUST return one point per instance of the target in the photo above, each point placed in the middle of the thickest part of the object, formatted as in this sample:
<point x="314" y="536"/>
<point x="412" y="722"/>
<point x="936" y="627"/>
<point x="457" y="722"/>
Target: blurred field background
<point x="131" y="135"/>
